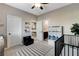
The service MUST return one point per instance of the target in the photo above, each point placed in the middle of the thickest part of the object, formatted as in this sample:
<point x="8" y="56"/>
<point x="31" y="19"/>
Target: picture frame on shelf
<point x="27" y="27"/>
<point x="33" y="25"/>
<point x="27" y="23"/>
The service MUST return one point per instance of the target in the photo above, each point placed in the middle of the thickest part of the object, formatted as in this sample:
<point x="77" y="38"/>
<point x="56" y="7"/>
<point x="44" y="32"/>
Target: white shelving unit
<point x="30" y="27"/>
<point x="33" y="29"/>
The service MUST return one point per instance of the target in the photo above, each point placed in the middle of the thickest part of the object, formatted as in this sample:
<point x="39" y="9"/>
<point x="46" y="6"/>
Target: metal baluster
<point x="61" y="52"/>
<point x="72" y="51"/>
<point x="68" y="50"/>
<point x="77" y="51"/>
<point x="64" y="50"/>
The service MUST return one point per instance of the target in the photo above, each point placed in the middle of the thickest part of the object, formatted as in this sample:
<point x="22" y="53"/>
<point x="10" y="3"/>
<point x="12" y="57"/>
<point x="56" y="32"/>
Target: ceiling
<point x="36" y="11"/>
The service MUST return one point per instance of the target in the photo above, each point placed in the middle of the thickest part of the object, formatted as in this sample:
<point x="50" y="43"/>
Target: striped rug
<point x="40" y="48"/>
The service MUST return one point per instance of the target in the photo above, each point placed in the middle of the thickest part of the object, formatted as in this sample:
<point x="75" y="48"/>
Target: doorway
<point x="45" y="30"/>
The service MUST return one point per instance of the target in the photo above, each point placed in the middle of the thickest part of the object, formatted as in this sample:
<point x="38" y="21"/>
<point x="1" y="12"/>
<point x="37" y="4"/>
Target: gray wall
<point x="65" y="16"/>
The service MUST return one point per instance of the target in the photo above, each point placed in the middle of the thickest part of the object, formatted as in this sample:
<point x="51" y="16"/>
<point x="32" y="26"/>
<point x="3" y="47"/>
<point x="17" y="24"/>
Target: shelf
<point x="54" y="26"/>
<point x="54" y="31"/>
<point x="31" y="26"/>
<point x="33" y="35"/>
<point x="33" y="30"/>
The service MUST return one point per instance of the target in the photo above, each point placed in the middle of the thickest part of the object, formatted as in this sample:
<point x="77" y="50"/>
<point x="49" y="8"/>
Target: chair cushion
<point x="27" y="40"/>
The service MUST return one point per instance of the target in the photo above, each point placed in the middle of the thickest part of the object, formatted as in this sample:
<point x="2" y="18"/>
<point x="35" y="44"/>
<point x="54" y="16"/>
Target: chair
<point x="28" y="40"/>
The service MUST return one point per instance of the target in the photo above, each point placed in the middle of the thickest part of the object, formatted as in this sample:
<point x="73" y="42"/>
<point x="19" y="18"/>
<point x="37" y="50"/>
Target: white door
<point x="39" y="28"/>
<point x="13" y="31"/>
<point x="1" y="46"/>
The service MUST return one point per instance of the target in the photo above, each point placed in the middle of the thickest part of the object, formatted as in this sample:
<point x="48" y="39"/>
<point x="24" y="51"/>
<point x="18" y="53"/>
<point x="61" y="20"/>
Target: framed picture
<point x="33" y="25"/>
<point x="27" y="27"/>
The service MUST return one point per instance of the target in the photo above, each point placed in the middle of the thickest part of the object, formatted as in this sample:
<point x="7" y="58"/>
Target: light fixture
<point x="38" y="5"/>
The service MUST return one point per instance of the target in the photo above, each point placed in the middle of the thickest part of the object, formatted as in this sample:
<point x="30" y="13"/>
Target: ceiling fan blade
<point x="33" y="7"/>
<point x="44" y="3"/>
<point x="41" y="7"/>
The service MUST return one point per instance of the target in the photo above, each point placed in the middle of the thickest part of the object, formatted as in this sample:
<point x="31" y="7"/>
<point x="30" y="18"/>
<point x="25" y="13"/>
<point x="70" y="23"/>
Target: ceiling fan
<point x="39" y="5"/>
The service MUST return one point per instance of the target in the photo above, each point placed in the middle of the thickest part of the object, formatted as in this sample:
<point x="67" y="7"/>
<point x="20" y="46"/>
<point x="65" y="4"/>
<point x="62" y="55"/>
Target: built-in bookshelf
<point x="30" y="27"/>
<point x="27" y="27"/>
<point x="33" y="29"/>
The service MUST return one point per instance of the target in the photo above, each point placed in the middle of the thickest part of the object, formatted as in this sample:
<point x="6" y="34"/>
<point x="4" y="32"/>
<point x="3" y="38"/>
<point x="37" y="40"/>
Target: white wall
<point x="7" y="10"/>
<point x="65" y="16"/>
<point x="39" y="29"/>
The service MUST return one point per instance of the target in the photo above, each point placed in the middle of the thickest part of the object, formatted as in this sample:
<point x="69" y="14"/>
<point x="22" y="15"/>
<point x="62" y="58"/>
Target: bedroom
<point x="16" y="21"/>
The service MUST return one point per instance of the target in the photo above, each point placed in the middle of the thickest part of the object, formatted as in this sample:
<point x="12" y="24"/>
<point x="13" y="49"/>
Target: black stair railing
<point x="67" y="45"/>
<point x="69" y="48"/>
<point x="59" y="45"/>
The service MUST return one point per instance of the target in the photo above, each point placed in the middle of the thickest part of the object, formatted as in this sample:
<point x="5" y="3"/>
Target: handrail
<point x="71" y="35"/>
<point x="62" y="44"/>
<point x="71" y="45"/>
<point x="67" y="50"/>
<point x="59" y="45"/>
<point x="71" y="39"/>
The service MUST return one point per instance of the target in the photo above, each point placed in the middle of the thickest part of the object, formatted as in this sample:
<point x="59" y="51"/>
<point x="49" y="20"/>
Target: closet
<point x="14" y="30"/>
